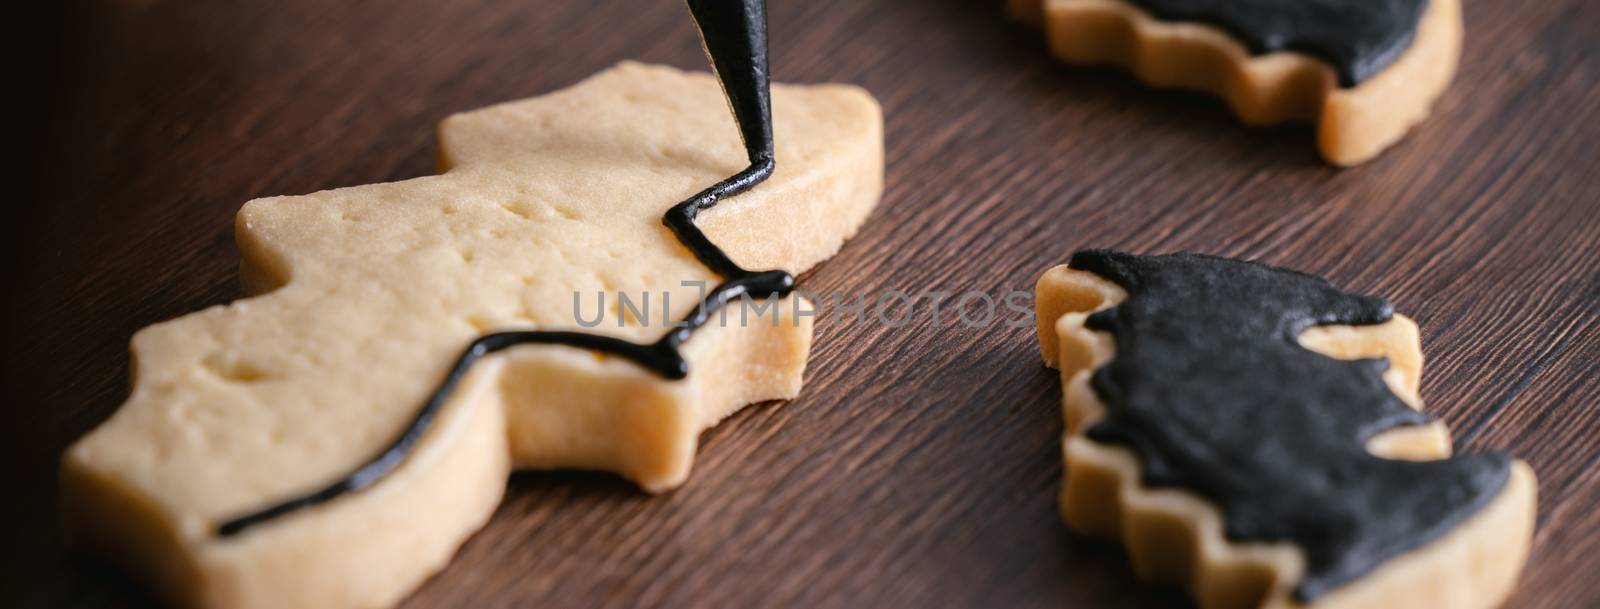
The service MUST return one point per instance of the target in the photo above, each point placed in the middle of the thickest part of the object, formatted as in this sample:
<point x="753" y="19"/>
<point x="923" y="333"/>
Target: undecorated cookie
<point x="1254" y="434"/>
<point x="1364" y="71"/>
<point x="366" y="296"/>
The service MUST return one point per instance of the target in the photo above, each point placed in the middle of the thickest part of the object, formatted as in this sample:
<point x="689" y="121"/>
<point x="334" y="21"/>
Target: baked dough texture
<point x="366" y="295"/>
<point x="1174" y="536"/>
<point x="1354" y="124"/>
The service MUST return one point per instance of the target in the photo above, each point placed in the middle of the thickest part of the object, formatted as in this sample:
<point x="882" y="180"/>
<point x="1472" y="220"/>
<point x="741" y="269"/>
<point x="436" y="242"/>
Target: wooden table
<point x="920" y="465"/>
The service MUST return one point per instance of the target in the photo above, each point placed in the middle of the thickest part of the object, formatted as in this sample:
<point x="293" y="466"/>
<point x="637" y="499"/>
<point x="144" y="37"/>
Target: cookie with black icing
<point x="1365" y="71"/>
<point x="330" y="441"/>
<point x="1253" y="433"/>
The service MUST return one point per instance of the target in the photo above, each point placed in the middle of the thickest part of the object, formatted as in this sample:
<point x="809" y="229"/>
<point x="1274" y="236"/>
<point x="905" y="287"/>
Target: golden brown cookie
<point x="1363" y="72"/>
<point x="226" y="478"/>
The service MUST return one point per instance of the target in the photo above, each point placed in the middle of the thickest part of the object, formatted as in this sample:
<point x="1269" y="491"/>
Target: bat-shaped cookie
<point x="330" y="441"/>
<point x="1364" y="71"/>
<point x="1253" y="434"/>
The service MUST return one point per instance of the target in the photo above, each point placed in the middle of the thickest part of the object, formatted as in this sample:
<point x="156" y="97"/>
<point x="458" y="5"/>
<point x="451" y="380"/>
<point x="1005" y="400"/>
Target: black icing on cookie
<point x="1359" y="38"/>
<point x="1212" y="390"/>
<point x="735" y="36"/>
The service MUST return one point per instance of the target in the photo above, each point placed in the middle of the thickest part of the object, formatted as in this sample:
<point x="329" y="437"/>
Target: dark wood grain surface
<point x="920" y="465"/>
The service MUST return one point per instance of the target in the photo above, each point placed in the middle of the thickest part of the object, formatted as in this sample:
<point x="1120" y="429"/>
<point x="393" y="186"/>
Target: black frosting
<point x="735" y="37"/>
<point x="1358" y="38"/>
<point x="1212" y="390"/>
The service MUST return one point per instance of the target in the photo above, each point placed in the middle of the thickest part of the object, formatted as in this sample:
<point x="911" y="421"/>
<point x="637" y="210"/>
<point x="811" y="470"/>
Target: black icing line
<point x="734" y="33"/>
<point x="1357" y="38"/>
<point x="1212" y="390"/>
